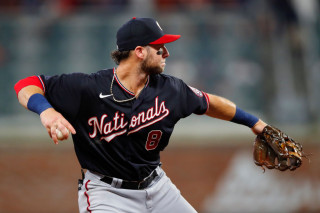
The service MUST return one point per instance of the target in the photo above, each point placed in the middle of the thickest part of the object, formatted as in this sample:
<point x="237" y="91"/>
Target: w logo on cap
<point x="141" y="32"/>
<point x="159" y="26"/>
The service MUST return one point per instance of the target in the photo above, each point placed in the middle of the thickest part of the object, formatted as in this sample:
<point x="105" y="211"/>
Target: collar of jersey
<point x="123" y="87"/>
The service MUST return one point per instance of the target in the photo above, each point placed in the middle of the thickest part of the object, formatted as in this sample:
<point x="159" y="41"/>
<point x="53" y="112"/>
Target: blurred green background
<point x="263" y="55"/>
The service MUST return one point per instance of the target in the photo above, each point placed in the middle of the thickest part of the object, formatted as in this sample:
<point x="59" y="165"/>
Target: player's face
<point x="155" y="61"/>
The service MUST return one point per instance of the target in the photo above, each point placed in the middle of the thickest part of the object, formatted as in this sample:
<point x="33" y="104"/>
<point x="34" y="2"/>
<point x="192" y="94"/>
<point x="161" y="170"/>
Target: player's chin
<point x="155" y="70"/>
<point x="160" y="70"/>
<point x="162" y="67"/>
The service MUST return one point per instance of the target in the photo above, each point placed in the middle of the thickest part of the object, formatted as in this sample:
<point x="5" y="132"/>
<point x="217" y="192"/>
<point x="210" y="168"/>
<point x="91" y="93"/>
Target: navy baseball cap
<point x="141" y="32"/>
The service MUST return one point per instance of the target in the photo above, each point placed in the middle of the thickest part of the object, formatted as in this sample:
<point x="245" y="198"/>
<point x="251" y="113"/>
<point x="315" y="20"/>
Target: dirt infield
<point x="44" y="180"/>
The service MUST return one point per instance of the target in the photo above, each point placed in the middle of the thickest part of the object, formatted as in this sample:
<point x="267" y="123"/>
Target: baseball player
<point x="121" y="118"/>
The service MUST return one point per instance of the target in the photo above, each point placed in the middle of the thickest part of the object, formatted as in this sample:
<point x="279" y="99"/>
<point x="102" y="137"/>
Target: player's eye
<point x="160" y="51"/>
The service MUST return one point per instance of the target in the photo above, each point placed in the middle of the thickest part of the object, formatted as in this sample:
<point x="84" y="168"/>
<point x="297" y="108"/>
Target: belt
<point x="124" y="184"/>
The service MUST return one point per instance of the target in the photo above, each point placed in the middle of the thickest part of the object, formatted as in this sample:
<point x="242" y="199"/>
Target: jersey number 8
<point x="153" y="139"/>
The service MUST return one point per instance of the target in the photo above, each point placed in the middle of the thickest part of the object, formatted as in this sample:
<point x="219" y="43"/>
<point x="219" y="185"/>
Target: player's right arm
<point x="31" y="96"/>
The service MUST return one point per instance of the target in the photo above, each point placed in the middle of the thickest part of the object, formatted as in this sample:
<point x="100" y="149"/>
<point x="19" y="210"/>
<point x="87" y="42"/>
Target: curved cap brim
<point x="167" y="38"/>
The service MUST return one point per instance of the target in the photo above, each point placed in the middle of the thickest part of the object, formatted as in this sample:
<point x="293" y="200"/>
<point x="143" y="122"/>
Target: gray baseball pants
<point x="161" y="196"/>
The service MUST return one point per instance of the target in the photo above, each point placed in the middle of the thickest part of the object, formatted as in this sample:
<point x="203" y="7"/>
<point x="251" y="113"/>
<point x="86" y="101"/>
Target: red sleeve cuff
<point x="208" y="101"/>
<point x="32" y="80"/>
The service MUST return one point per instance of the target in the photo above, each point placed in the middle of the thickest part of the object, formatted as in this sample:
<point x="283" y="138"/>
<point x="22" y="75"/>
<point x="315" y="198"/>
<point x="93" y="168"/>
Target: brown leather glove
<point x="275" y="150"/>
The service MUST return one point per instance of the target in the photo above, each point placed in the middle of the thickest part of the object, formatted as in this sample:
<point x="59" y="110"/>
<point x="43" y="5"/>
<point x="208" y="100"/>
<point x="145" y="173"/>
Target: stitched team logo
<point x="159" y="26"/>
<point x="196" y="91"/>
<point x="109" y="127"/>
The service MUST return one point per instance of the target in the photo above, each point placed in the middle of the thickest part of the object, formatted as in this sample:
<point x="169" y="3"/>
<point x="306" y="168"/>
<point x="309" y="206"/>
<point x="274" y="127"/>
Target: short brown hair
<point x="117" y="56"/>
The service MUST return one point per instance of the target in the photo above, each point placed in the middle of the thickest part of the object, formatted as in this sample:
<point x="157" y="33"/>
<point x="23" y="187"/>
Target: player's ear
<point x="140" y="52"/>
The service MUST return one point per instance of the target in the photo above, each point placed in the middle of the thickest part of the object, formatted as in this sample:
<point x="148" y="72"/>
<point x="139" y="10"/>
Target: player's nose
<point x="165" y="52"/>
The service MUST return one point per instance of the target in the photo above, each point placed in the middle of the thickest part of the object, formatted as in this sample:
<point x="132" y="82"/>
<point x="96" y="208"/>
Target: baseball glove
<point x="275" y="150"/>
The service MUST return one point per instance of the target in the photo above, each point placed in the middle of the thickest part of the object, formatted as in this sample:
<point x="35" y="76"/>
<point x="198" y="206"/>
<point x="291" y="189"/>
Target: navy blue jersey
<point x="121" y="140"/>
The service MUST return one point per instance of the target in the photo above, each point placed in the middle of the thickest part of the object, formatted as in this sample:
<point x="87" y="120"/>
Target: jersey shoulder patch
<point x="196" y="91"/>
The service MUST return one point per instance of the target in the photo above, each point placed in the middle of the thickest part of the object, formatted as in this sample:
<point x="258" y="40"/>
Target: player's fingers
<point x="68" y="126"/>
<point x="54" y="134"/>
<point x="62" y="132"/>
<point x="49" y="132"/>
<point x="65" y="132"/>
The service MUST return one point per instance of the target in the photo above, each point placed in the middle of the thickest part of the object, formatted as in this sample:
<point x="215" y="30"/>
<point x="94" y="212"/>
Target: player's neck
<point x="131" y="77"/>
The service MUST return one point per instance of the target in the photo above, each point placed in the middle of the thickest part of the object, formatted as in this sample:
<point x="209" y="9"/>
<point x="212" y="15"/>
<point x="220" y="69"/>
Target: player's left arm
<point x="225" y="109"/>
<point x="270" y="143"/>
